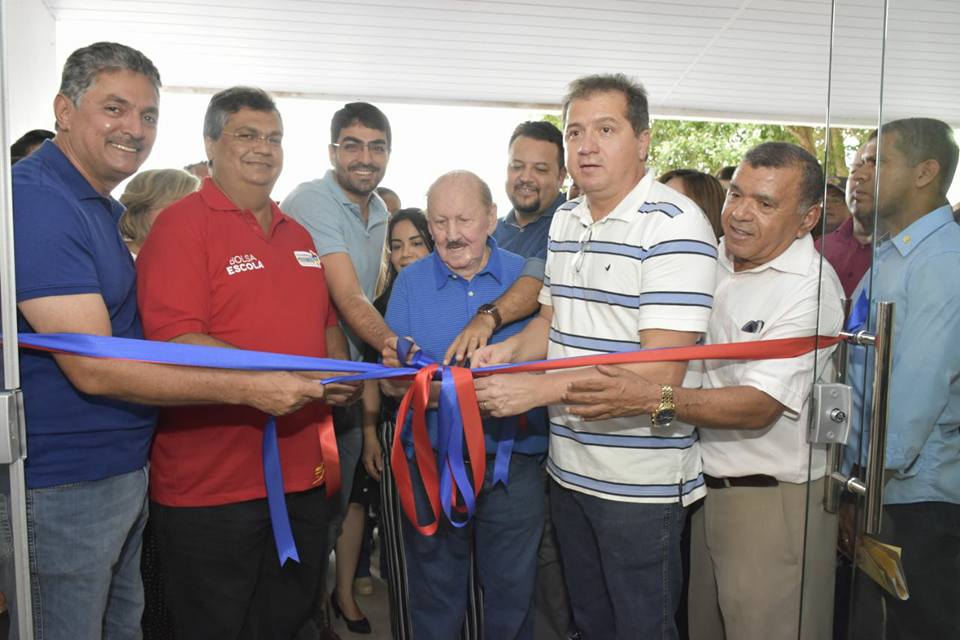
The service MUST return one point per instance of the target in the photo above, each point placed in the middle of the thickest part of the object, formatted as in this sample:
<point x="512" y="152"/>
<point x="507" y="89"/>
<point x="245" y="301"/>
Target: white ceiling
<point x="728" y="59"/>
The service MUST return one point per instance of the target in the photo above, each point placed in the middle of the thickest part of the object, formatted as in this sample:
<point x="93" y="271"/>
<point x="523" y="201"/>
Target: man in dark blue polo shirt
<point x="534" y="177"/>
<point x="535" y="174"/>
<point x="88" y="433"/>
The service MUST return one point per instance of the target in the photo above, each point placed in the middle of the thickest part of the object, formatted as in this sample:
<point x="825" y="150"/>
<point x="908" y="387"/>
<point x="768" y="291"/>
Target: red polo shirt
<point x="846" y="255"/>
<point x="207" y="267"/>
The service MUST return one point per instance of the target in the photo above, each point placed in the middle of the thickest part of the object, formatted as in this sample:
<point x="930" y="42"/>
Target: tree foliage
<point x="708" y="146"/>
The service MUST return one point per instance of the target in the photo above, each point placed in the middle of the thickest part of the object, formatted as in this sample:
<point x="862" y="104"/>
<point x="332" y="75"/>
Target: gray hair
<point x="229" y="101"/>
<point x="84" y="65"/>
<point x="777" y="155"/>
<point x="638" y="112"/>
<point x="486" y="196"/>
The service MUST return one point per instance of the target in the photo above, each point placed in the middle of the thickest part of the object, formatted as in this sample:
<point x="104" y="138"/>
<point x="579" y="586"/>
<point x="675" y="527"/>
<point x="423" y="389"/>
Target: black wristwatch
<point x="492" y="311"/>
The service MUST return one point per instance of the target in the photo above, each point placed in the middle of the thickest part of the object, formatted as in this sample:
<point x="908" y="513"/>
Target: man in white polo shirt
<point x="630" y="264"/>
<point x="761" y="532"/>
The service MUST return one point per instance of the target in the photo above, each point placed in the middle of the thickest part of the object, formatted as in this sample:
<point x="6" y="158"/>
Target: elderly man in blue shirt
<point x="432" y="300"/>
<point x="915" y="266"/>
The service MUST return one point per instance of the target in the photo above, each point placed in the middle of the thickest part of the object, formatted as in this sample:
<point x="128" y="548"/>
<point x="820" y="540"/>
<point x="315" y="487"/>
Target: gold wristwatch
<point x="667" y="411"/>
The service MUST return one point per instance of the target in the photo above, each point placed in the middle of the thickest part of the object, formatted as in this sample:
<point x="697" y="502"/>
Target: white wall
<point x="34" y="76"/>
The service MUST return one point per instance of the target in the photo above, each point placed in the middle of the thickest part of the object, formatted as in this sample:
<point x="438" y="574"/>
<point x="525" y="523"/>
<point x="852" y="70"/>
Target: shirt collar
<point x="217" y="200"/>
<point x="796" y="258"/>
<point x="547" y="214"/>
<point x="494" y="267"/>
<point x="908" y="239"/>
<point x="71" y="176"/>
<point x="845" y="230"/>
<point x="626" y="210"/>
<point x="377" y="205"/>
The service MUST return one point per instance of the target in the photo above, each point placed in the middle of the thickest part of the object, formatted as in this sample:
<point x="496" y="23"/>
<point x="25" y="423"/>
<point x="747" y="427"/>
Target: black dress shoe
<point x="355" y="626"/>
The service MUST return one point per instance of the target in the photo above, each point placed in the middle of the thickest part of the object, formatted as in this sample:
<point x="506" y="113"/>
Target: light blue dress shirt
<point x="919" y="270"/>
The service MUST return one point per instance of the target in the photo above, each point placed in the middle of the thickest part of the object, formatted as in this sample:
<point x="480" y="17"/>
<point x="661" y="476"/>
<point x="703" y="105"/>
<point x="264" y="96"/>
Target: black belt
<point x="758" y="480"/>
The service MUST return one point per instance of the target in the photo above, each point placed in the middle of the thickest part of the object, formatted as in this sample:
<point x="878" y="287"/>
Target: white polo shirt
<point x="780" y="299"/>
<point x="649" y="264"/>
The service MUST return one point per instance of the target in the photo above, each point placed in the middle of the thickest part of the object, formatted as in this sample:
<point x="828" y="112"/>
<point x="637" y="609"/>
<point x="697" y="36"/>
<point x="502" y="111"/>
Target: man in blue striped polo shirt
<point x="630" y="265"/>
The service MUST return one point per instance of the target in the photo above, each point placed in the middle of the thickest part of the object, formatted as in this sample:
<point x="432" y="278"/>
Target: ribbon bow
<point x="458" y="422"/>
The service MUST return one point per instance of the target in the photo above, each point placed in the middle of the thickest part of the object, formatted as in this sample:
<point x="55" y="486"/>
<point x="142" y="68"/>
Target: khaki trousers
<point x="756" y="554"/>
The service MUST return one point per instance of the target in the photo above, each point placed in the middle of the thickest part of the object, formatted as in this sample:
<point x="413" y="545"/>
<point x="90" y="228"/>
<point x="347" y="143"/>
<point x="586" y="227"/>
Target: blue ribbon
<point x="221" y="358"/>
<point x="450" y="436"/>
<point x="276" y="498"/>
<point x="194" y="355"/>
<point x="191" y="355"/>
<point x="450" y="451"/>
<point x="858" y="314"/>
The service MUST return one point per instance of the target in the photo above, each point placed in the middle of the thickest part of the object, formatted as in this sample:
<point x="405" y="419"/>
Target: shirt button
<point x="907" y="239"/>
<point x="470" y="293"/>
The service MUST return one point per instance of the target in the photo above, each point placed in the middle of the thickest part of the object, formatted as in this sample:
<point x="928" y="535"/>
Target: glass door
<point x="894" y="76"/>
<point x="14" y="562"/>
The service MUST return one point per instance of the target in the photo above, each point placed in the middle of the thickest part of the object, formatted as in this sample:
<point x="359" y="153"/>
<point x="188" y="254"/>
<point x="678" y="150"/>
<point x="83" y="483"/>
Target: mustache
<point x="128" y="141"/>
<point x="366" y="167"/>
<point x="530" y="185"/>
<point x="455" y="244"/>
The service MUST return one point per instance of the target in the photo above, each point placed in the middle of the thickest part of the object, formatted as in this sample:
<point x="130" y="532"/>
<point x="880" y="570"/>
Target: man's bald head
<point x="461" y="214"/>
<point x="461" y="179"/>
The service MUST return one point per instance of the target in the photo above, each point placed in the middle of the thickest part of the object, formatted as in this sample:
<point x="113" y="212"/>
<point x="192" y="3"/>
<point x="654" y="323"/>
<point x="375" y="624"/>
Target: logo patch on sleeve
<point x="308" y="259"/>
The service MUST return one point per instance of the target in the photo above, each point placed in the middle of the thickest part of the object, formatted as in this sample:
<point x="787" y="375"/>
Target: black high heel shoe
<point x="355" y="626"/>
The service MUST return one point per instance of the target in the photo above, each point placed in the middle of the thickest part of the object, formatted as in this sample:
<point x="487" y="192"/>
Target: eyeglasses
<point x="584" y="243"/>
<point x="252" y="137"/>
<point x="355" y="147"/>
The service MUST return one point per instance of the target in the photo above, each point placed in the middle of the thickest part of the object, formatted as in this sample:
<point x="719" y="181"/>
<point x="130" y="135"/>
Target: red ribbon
<point x="418" y="395"/>
<point x="329" y="456"/>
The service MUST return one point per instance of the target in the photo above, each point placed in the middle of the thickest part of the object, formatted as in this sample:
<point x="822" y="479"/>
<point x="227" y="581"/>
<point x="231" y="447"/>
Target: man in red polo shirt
<point x="225" y="267"/>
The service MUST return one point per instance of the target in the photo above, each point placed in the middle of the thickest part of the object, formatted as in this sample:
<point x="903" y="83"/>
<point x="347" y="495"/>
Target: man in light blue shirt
<point x="348" y="219"/>
<point x="916" y="265"/>
<point x="348" y="222"/>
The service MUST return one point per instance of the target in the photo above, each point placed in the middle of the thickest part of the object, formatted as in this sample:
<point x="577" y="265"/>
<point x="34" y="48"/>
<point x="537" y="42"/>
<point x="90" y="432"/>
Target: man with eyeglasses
<point x="348" y="219"/>
<point x="225" y="267"/>
<point x="348" y="222"/>
<point x="88" y="429"/>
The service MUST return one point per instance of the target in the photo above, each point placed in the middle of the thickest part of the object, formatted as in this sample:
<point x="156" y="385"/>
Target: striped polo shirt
<point x="649" y="264"/>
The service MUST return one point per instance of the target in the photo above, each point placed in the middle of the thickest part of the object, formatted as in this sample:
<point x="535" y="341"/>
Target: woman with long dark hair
<point x="408" y="240"/>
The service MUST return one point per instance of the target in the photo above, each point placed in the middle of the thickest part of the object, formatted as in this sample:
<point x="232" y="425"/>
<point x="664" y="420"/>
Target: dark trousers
<point x="929" y="534"/>
<point x="504" y="535"/>
<point x="622" y="564"/>
<point x="223" y="575"/>
<point x="551" y="605"/>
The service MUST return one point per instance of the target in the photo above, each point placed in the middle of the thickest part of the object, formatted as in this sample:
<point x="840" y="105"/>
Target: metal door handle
<point x="871" y="487"/>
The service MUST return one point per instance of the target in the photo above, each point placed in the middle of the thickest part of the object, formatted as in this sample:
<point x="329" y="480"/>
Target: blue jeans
<point x="505" y="534"/>
<point x="84" y="541"/>
<point x="621" y="562"/>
